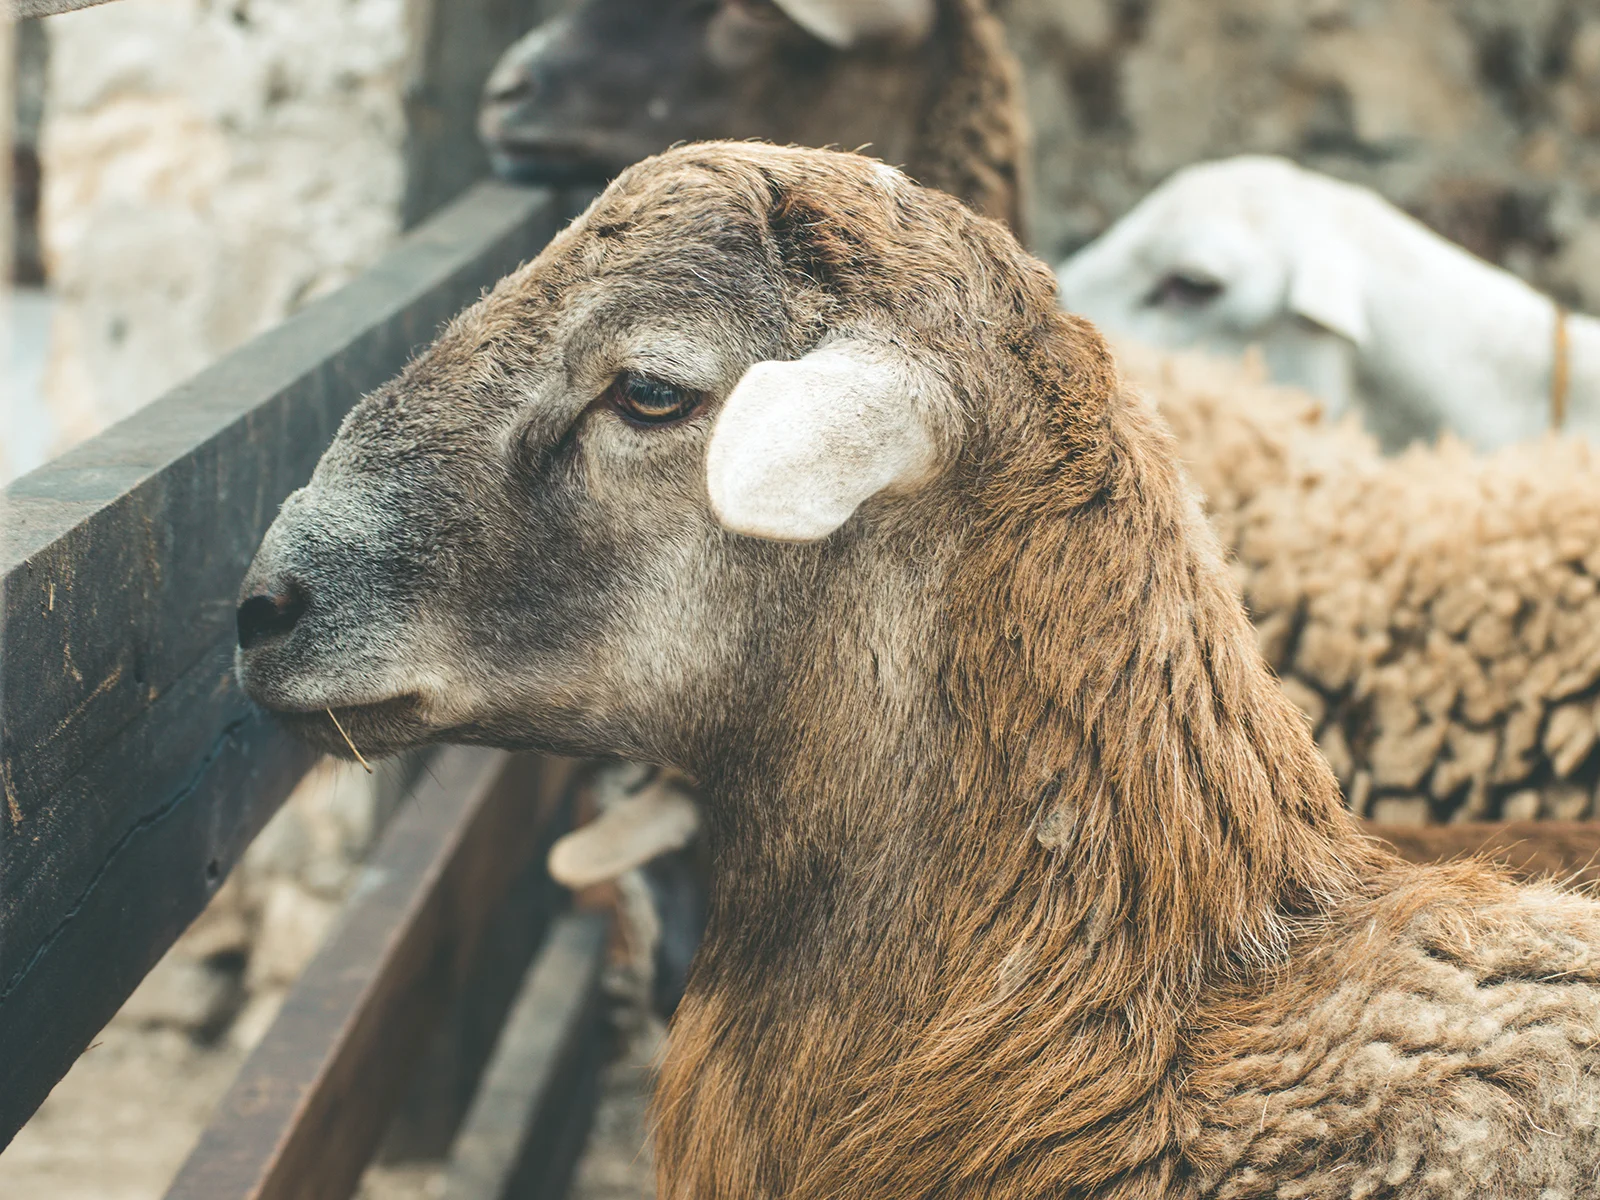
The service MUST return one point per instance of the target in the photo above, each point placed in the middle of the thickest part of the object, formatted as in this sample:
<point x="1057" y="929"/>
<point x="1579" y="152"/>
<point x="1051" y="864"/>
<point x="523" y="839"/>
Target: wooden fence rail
<point x="132" y="771"/>
<point x="44" y="8"/>
<point x="307" y="1110"/>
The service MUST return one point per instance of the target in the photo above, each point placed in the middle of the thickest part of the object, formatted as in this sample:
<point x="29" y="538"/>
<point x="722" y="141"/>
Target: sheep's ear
<point x="847" y="23"/>
<point x="1325" y="289"/>
<point x="799" y="446"/>
<point x="642" y="827"/>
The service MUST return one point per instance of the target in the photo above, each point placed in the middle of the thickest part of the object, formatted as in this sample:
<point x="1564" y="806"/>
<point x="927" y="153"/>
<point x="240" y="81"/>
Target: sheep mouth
<point x="551" y="165"/>
<point x="532" y="151"/>
<point x="375" y="730"/>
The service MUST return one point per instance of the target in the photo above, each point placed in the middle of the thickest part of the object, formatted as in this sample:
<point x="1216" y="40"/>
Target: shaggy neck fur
<point x="974" y="903"/>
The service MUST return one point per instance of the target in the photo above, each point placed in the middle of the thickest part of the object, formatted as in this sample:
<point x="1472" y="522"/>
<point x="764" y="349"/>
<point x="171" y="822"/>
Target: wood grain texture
<point x="1565" y="850"/>
<point x="533" y="1108"/>
<point x="49" y="8"/>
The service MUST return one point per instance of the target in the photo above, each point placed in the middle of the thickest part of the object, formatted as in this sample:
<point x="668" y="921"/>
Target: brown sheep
<point x="928" y="84"/>
<point x="1029" y="880"/>
<point x="1236" y="436"/>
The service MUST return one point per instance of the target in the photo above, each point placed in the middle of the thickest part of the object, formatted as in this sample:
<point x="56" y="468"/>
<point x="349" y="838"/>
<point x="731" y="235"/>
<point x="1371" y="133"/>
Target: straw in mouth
<point x="364" y="763"/>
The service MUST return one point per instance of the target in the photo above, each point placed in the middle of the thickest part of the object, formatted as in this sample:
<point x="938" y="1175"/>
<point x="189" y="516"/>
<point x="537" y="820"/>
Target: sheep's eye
<point x="642" y="400"/>
<point x="1184" y="290"/>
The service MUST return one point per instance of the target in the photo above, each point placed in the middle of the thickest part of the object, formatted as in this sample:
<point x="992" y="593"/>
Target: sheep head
<point x="926" y="84"/>
<point x="1227" y="255"/>
<point x="611" y="508"/>
<point x="611" y="81"/>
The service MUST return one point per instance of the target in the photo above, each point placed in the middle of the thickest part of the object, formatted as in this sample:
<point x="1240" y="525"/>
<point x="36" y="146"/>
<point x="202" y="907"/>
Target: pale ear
<point x="847" y="23"/>
<point x="659" y="819"/>
<point x="1325" y="288"/>
<point x="799" y="446"/>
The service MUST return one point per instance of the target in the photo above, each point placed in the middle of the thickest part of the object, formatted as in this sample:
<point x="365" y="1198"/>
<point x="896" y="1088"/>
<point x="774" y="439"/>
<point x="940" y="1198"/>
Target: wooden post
<point x="8" y="96"/>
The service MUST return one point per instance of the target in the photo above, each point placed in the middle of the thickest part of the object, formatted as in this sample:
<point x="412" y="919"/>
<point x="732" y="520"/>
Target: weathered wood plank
<point x="308" y="1108"/>
<point x="1565" y="850"/>
<point x="517" y="1139"/>
<point x="458" y="47"/>
<point x="132" y="773"/>
<point x="425" y="1124"/>
<point x="146" y="529"/>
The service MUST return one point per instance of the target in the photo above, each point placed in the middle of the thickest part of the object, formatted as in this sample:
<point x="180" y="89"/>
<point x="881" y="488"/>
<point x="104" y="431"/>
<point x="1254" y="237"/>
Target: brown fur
<point x="1029" y="881"/>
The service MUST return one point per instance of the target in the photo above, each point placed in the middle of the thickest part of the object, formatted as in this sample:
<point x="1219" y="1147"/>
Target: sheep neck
<point x="973" y="141"/>
<point x="1013" y="893"/>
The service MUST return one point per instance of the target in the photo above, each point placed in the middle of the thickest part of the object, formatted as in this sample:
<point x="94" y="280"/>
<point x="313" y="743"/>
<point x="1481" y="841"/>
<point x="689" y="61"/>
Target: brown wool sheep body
<point x="1029" y="880"/>
<point x="1437" y="615"/>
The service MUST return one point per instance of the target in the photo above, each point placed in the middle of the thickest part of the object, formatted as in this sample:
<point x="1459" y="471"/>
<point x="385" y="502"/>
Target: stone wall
<point x="1482" y="117"/>
<point x="209" y="166"/>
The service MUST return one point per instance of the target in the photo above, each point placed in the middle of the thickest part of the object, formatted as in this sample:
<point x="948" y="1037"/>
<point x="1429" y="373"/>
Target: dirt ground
<point x="119" y="1126"/>
<point x="123" y="1120"/>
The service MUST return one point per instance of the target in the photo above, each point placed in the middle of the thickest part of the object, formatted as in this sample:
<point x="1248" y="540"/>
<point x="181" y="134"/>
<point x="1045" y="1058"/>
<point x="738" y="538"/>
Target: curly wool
<point x="1456" y="1051"/>
<point x="1436" y="615"/>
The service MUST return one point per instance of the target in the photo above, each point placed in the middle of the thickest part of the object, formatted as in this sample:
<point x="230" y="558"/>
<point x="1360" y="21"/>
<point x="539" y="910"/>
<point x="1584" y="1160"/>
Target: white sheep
<point x="1348" y="297"/>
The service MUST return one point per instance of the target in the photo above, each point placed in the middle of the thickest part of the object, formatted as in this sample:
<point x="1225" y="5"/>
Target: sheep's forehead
<point x="678" y="247"/>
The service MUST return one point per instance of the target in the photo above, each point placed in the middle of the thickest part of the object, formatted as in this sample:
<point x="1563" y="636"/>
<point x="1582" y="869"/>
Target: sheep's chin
<point x="375" y="730"/>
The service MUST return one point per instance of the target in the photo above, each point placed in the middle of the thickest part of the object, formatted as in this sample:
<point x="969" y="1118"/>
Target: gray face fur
<point x="611" y="81"/>
<point x="490" y="552"/>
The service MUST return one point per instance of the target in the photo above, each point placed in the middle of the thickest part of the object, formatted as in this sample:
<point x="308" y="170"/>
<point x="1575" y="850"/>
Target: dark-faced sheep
<point x="928" y="84"/>
<point x="1029" y="880"/>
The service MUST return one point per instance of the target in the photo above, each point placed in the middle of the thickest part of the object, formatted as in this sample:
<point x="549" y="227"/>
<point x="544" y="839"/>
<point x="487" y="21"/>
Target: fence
<point x="134" y="773"/>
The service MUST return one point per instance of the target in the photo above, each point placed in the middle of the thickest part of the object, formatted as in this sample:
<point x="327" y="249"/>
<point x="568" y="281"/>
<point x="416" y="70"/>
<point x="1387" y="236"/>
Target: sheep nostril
<point x="267" y="616"/>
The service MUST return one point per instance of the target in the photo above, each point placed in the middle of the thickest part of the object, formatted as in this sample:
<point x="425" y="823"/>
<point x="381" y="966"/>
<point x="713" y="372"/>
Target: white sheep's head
<point x="1228" y="255"/>
<point x="608" y="82"/>
<point x="619" y="500"/>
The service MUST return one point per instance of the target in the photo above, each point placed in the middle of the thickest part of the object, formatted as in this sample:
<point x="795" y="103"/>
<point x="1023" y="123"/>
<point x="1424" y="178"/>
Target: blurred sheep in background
<point x="1348" y="297"/>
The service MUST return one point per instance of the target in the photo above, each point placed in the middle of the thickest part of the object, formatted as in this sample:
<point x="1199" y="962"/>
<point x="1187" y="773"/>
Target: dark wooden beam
<point x="132" y="772"/>
<point x="531" y="1114"/>
<point x="461" y="40"/>
<point x="307" y="1110"/>
<point x="1564" y="850"/>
